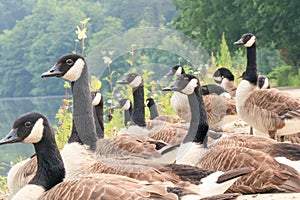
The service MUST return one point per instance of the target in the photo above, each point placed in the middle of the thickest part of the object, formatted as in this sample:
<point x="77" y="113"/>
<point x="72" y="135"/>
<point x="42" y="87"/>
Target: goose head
<point x="176" y="70"/>
<point x="222" y="73"/>
<point x="124" y="104"/>
<point x="185" y="83"/>
<point x="132" y="79"/>
<point x="68" y="66"/>
<point x="28" y="128"/>
<point x="149" y="102"/>
<point x="263" y="82"/>
<point x="247" y="40"/>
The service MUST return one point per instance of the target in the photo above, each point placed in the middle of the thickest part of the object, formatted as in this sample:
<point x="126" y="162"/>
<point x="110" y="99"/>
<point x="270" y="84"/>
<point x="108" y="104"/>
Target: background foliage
<point x="36" y="32"/>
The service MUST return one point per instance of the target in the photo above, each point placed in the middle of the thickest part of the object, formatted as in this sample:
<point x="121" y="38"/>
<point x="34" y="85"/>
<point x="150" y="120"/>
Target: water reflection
<point x="10" y="109"/>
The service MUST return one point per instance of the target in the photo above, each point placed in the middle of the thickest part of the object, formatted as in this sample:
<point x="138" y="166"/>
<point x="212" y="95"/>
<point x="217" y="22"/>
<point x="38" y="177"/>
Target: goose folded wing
<point x="273" y="106"/>
<point x="267" y="174"/>
<point x="105" y="186"/>
<point x="126" y="145"/>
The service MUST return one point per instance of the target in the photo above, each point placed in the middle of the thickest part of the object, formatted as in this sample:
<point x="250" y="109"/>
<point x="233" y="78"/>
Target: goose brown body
<point x="269" y="111"/>
<point x="261" y="154"/>
<point x="48" y="182"/>
<point x="217" y="106"/>
<point x="268" y="175"/>
<point x="273" y="107"/>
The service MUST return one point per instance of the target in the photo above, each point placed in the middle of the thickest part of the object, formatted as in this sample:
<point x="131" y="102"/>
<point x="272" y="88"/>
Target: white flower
<point x="81" y="33"/>
<point x="107" y="60"/>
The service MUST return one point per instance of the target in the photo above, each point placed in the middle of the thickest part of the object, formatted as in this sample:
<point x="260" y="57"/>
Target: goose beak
<point x="12" y="137"/>
<point x="239" y="42"/>
<point x="123" y="81"/>
<point x="173" y="87"/>
<point x="170" y="73"/>
<point x="53" y="72"/>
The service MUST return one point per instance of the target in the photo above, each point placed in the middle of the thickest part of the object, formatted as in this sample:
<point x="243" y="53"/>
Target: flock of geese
<point x="163" y="158"/>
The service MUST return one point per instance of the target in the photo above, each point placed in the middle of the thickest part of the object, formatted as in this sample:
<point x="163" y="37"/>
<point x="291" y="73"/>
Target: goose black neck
<point x="83" y="115"/>
<point x="98" y="111"/>
<point x="198" y="125"/>
<point x="153" y="111"/>
<point x="50" y="169"/>
<point x="138" y="115"/>
<point x="251" y="69"/>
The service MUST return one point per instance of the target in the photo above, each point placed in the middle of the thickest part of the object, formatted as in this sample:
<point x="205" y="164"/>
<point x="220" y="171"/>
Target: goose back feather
<point x="268" y="174"/>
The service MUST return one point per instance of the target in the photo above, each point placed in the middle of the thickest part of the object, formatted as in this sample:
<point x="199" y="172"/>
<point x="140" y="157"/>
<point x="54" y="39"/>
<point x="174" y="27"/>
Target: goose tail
<point x="218" y="182"/>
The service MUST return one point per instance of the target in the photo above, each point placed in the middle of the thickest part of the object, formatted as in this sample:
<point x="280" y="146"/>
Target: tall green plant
<point x="225" y="58"/>
<point x="81" y="35"/>
<point x="65" y="117"/>
<point x="3" y="184"/>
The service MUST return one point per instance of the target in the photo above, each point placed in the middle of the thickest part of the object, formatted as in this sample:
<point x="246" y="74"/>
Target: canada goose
<point x="48" y="182"/>
<point x="215" y="89"/>
<point x="268" y="175"/>
<point x="225" y="78"/>
<point x="216" y="106"/>
<point x="74" y="68"/>
<point x="21" y="173"/>
<point x="162" y="130"/>
<point x="150" y="103"/>
<point x="269" y="111"/>
<point x="264" y="83"/>
<point x="167" y="134"/>
<point x="286" y="153"/>
<point x="97" y="102"/>
<point x="135" y="81"/>
<point x="126" y="105"/>
<point x="179" y="102"/>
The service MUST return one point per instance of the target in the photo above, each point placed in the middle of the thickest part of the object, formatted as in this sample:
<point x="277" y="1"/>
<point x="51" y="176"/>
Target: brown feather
<point x="123" y="145"/>
<point x="103" y="186"/>
<point x="230" y="88"/>
<point x="266" y="145"/>
<point x="271" y="104"/>
<point x="268" y="174"/>
<point x="293" y="138"/>
<point x="168" y="118"/>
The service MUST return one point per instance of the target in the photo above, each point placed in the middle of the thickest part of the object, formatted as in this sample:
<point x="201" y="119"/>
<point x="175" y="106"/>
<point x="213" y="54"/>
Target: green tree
<point x="275" y="23"/>
<point x="10" y="13"/>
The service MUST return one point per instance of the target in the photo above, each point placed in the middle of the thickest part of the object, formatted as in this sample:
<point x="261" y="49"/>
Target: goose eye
<point x="27" y="124"/>
<point x="69" y="62"/>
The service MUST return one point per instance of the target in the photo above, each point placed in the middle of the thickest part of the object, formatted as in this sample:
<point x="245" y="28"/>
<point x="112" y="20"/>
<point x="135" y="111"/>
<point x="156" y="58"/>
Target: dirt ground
<point x="239" y="127"/>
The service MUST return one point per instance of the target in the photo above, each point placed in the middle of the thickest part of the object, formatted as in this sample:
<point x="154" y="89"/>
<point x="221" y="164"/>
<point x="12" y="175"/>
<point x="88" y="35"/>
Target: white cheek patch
<point x="189" y="89"/>
<point x="75" y="71"/>
<point x="136" y="82"/>
<point x="96" y="99"/>
<point x="266" y="84"/>
<point x="36" y="133"/>
<point x="250" y="42"/>
<point x="126" y="105"/>
<point x="178" y="71"/>
<point x="218" y="78"/>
